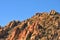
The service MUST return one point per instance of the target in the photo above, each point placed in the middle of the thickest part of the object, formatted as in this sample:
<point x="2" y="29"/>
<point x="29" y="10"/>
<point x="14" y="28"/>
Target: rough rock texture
<point x="42" y="26"/>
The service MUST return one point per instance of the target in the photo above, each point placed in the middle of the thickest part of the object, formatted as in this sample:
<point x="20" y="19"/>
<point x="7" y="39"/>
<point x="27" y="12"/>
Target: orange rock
<point x="42" y="26"/>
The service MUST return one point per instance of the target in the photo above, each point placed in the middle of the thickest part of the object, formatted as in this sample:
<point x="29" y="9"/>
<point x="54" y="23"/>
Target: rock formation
<point x="42" y="26"/>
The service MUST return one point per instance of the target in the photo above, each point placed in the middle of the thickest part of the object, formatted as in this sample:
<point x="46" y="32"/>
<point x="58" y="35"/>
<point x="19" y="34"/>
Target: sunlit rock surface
<point x="42" y="26"/>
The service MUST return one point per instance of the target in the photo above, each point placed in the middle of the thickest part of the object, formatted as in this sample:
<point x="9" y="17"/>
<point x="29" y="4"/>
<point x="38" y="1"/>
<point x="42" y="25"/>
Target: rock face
<point x="42" y="26"/>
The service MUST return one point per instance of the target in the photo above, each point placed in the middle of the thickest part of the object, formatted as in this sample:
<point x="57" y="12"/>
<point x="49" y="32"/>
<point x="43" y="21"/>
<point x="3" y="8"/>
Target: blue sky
<point x="23" y="9"/>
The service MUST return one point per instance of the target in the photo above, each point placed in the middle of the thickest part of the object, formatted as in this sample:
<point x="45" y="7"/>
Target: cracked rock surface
<point x="42" y="26"/>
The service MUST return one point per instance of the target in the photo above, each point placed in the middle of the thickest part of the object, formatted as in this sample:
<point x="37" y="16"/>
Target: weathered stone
<point x="42" y="26"/>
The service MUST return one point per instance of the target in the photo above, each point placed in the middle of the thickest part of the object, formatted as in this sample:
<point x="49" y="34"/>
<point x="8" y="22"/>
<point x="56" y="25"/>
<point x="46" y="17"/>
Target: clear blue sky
<point x="23" y="9"/>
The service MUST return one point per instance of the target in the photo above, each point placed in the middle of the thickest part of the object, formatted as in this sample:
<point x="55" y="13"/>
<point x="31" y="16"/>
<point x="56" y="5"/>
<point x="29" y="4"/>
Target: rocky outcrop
<point x="42" y="26"/>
